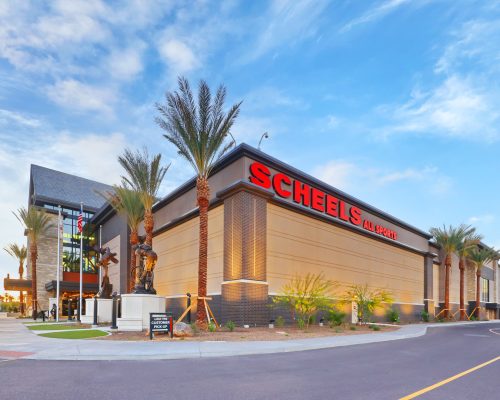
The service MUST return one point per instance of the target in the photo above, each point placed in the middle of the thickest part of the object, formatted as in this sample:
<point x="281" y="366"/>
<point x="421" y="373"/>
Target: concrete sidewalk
<point x="16" y="341"/>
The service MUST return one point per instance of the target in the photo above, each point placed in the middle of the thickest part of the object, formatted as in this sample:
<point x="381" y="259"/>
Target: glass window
<point x="485" y="292"/>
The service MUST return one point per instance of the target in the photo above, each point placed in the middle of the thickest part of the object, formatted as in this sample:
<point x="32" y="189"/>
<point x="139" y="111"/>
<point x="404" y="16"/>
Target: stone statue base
<point x="104" y="311"/>
<point x="136" y="308"/>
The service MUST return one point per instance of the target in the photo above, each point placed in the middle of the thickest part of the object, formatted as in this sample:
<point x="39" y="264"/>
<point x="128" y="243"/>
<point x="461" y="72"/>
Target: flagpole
<point x="81" y="268"/>
<point x="100" y="246"/>
<point x="58" y="261"/>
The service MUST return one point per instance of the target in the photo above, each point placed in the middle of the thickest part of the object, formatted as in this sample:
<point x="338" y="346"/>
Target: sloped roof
<point x="60" y="188"/>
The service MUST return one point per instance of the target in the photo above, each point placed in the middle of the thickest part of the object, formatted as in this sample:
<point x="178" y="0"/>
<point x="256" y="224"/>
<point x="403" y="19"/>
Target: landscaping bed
<point x="80" y="334"/>
<point x="257" y="333"/>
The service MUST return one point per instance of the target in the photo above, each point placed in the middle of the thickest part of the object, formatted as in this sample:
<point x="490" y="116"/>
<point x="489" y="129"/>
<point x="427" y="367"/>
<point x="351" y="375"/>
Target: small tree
<point x="305" y="296"/>
<point x="368" y="300"/>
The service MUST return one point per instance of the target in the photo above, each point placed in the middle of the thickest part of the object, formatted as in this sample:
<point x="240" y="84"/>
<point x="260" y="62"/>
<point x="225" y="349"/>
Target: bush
<point x="338" y="330"/>
<point x="212" y="327"/>
<point x="392" y="315"/>
<point x="280" y="321"/>
<point x="376" y="328"/>
<point x="352" y="328"/>
<point x="335" y="317"/>
<point x="424" y="315"/>
<point x="300" y="323"/>
<point x="367" y="300"/>
<point x="194" y="327"/>
<point x="230" y="325"/>
<point x="305" y="296"/>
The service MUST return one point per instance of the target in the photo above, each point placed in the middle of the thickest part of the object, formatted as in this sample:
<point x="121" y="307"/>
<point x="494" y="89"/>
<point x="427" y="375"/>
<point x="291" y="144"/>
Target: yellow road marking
<point x="448" y="380"/>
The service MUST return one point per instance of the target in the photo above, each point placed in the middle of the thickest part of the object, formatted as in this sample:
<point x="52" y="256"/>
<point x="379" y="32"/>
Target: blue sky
<point x="396" y="102"/>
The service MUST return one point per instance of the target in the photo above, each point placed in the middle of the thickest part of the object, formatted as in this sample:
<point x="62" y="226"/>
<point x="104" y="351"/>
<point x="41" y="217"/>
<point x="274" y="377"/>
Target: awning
<point x="67" y="286"/>
<point x="17" y="284"/>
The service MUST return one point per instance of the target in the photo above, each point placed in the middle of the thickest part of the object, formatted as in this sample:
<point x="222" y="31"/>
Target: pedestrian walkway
<point x="23" y="343"/>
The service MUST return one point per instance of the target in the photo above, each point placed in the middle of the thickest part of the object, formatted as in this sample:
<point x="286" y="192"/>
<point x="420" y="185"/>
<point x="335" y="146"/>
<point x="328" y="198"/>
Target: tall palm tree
<point x="466" y="246"/>
<point x="145" y="175"/>
<point x="20" y="253"/>
<point x="199" y="131"/>
<point x="36" y="222"/>
<point x="449" y="239"/>
<point x="129" y="204"/>
<point x="480" y="256"/>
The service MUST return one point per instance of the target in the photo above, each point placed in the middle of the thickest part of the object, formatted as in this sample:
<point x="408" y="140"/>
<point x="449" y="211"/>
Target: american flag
<point x="80" y="223"/>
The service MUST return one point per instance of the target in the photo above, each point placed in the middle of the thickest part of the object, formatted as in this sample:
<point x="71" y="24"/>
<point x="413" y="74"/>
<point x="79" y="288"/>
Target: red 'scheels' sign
<point x="311" y="197"/>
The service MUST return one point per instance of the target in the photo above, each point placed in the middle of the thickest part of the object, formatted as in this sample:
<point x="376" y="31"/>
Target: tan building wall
<point x="114" y="269"/>
<point x="176" y="271"/>
<point x="298" y="244"/>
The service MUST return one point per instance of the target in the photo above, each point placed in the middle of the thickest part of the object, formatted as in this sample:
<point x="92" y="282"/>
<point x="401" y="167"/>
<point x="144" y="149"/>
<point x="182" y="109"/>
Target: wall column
<point x="429" y="283"/>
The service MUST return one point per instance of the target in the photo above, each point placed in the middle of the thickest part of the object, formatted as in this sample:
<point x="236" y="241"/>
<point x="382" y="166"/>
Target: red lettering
<point x="355" y="213"/>
<point x="260" y="175"/>
<point x="301" y="193"/>
<point x="331" y="205"/>
<point x="278" y="180"/>
<point x="317" y="200"/>
<point x="342" y="213"/>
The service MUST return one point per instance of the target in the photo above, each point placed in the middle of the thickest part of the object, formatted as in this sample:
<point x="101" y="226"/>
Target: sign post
<point x="161" y="322"/>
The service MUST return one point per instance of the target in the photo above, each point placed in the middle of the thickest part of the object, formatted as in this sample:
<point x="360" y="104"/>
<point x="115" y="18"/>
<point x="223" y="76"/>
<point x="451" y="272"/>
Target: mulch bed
<point x="254" y="334"/>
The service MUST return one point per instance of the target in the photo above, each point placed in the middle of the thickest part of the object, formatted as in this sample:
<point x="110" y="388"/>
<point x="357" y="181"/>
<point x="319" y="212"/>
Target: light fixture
<point x="265" y="135"/>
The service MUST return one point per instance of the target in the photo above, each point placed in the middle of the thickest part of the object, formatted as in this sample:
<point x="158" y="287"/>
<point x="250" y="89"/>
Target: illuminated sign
<point x="311" y="197"/>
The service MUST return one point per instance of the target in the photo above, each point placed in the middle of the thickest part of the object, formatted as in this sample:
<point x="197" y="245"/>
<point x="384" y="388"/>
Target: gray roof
<point x="59" y="188"/>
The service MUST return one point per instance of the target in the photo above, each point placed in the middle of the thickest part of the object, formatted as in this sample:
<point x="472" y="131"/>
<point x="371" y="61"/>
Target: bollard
<point x="70" y="311"/>
<point x="79" y="308"/>
<point x="95" y="311"/>
<point x="188" y="306"/>
<point x="113" y="314"/>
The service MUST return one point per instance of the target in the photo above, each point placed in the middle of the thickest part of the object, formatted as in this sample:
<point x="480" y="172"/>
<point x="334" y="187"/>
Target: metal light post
<point x="59" y="227"/>
<point x="265" y="135"/>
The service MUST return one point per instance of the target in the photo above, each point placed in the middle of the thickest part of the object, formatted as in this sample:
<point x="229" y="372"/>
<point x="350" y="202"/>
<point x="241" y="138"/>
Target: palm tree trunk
<point x="34" y="297"/>
<point x="461" y="266"/>
<point x="148" y="227"/>
<point x="21" y="295"/>
<point x="203" y="194"/>
<point x="134" y="239"/>
<point x="447" y="268"/>
<point x="478" y="295"/>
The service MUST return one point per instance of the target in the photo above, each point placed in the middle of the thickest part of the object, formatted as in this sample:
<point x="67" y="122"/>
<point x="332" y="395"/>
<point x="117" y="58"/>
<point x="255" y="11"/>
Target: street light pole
<point x="265" y="135"/>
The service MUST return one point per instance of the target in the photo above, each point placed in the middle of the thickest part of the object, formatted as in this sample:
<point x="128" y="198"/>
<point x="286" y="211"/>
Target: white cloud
<point x="348" y="176"/>
<point x="78" y="96"/>
<point x="178" y="56"/>
<point x="481" y="219"/>
<point x="374" y="14"/>
<point x="268" y="96"/>
<point x="287" y="22"/>
<point x="126" y="63"/>
<point x="7" y="116"/>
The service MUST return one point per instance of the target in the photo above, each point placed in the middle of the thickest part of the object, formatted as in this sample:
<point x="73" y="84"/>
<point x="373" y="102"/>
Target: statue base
<point x="104" y="311"/>
<point x="136" y="308"/>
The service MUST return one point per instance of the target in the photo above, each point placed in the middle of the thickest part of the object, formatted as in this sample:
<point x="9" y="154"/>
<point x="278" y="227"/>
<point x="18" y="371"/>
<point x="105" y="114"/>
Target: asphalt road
<point x="388" y="370"/>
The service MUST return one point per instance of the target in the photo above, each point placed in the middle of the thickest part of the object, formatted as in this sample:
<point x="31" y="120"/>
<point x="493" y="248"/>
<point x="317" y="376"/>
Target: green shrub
<point x="376" y="328"/>
<point x="335" y="317"/>
<point x="230" y="325"/>
<point x="194" y="327"/>
<point x="352" y="328"/>
<point x="424" y="315"/>
<point x="212" y="327"/>
<point x="338" y="330"/>
<point x="300" y="323"/>
<point x="392" y="315"/>
<point x="280" y="321"/>
<point x="368" y="300"/>
<point x="473" y="318"/>
<point x="312" y="320"/>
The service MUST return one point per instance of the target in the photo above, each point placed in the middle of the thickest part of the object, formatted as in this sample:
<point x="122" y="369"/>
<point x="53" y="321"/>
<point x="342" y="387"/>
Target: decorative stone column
<point x="245" y="288"/>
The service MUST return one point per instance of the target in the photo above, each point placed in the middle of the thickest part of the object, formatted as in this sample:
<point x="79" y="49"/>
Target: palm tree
<point x="21" y="254"/>
<point x="466" y="246"/>
<point x="36" y="222"/>
<point x="199" y="132"/>
<point x="449" y="239"/>
<point x="480" y="256"/>
<point x="145" y="175"/>
<point x="129" y="204"/>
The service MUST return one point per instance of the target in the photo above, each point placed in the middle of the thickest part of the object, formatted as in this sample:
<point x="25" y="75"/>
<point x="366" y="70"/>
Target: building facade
<point x="268" y="222"/>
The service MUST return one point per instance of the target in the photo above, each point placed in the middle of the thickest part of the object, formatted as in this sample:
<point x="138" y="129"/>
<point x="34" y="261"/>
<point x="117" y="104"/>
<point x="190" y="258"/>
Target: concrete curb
<point x="60" y="349"/>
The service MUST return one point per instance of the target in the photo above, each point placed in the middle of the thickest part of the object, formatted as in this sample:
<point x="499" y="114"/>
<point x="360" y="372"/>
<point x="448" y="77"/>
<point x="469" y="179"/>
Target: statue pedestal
<point x="136" y="309"/>
<point x="104" y="311"/>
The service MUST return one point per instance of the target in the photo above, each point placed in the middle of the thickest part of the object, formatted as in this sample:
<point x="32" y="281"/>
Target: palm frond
<point x="16" y="251"/>
<point x="198" y="130"/>
<point x="35" y="220"/>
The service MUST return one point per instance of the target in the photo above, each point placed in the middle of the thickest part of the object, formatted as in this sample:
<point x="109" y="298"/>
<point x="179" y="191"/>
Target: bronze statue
<point x="144" y="271"/>
<point x="104" y="261"/>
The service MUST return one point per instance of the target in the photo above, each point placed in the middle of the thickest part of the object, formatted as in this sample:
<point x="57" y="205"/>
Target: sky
<point x="396" y="102"/>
